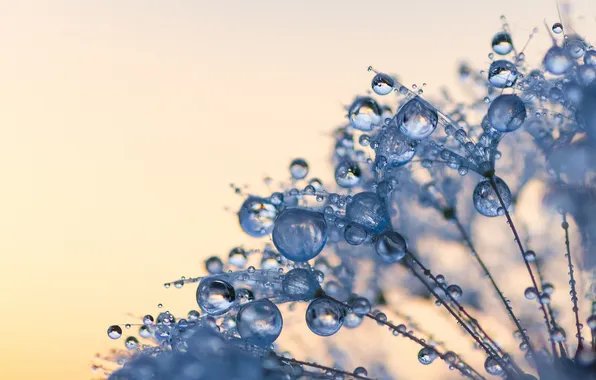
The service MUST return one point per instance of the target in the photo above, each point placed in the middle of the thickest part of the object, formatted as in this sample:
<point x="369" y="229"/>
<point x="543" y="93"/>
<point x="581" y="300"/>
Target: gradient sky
<point x="122" y="124"/>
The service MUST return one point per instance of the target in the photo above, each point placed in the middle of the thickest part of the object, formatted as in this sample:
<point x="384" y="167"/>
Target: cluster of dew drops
<point x="240" y="301"/>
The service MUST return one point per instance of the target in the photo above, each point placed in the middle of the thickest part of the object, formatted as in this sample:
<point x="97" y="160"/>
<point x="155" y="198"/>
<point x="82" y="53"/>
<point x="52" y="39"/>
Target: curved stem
<point x="565" y="226"/>
<point x="480" y="262"/>
<point x="324" y="368"/>
<point x="522" y="251"/>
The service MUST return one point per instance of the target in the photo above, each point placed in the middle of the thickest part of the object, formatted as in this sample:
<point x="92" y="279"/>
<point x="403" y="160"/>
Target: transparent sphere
<point x="427" y="355"/>
<point x="557" y="60"/>
<point x="575" y="46"/>
<point x="502" y="74"/>
<point x="347" y="174"/>
<point x="364" y="114"/>
<point x="299" y="234"/>
<point x="324" y="317"/>
<point x="259" y="322"/>
<point x="299" y="168"/>
<point x="382" y="84"/>
<point x="361" y="306"/>
<point x="455" y="291"/>
<point x="390" y="246"/>
<point x="492" y="366"/>
<point x="256" y="216"/>
<point x="557" y="334"/>
<point x="367" y="210"/>
<point x="502" y="43"/>
<point x="486" y="200"/>
<point x="114" y="332"/>
<point x="557" y="28"/>
<point x="215" y="296"/>
<point x="507" y="113"/>
<point x="214" y="265"/>
<point x="355" y="234"/>
<point x="300" y="284"/>
<point x="417" y="119"/>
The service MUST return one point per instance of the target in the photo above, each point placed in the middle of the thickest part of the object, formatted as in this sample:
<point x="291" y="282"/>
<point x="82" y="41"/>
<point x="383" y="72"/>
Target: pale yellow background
<point x="123" y="122"/>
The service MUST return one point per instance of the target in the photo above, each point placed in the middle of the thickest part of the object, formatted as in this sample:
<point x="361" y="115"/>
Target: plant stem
<point x="565" y="226"/>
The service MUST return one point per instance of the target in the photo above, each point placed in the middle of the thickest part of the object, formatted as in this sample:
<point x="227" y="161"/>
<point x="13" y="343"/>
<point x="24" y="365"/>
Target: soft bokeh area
<point x="122" y="124"/>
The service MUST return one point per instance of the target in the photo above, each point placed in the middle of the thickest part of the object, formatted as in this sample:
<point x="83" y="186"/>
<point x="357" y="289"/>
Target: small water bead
<point x="256" y="216"/>
<point x="367" y="210"/>
<point x="360" y="371"/>
<point x="417" y="119"/>
<point x="530" y="293"/>
<point x="299" y="168"/>
<point x="548" y="288"/>
<point x="324" y="317"/>
<point x="455" y="291"/>
<point x="364" y="114"/>
<point x="145" y="332"/>
<point x="557" y="28"/>
<point x="355" y="234"/>
<point x="502" y="43"/>
<point x="193" y="315"/>
<point x="575" y="46"/>
<point x="300" y="284"/>
<point x="502" y="74"/>
<point x="557" y="334"/>
<point x="237" y="257"/>
<point x="351" y="320"/>
<point x="506" y="113"/>
<point x="544" y="299"/>
<point x="390" y="246"/>
<point x="530" y="255"/>
<point x="148" y="320"/>
<point x="592" y="322"/>
<point x="361" y="306"/>
<point x="427" y="355"/>
<point x="486" y="200"/>
<point x="114" y="332"/>
<point x="492" y="366"/>
<point x="382" y="84"/>
<point x="347" y="174"/>
<point x="300" y="234"/>
<point x="215" y="296"/>
<point x="244" y="296"/>
<point x="557" y="60"/>
<point x="259" y="322"/>
<point x="131" y="343"/>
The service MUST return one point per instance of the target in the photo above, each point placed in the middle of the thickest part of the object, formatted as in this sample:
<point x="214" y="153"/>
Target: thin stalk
<point x="322" y="367"/>
<point x="507" y="305"/>
<point x="548" y="307"/>
<point x="522" y="251"/>
<point x="419" y="341"/>
<point x="575" y="309"/>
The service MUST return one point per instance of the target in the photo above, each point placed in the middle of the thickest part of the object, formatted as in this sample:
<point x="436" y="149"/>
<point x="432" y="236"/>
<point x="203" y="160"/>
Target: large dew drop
<point x="417" y="119"/>
<point x="486" y="200"/>
<point x="366" y="209"/>
<point x="364" y="114"/>
<point x="215" y="296"/>
<point x="507" y="113"/>
<point x="347" y="174"/>
<point x="300" y="234"/>
<point x="502" y="43"/>
<point x="324" y="317"/>
<point x="256" y="216"/>
<point x="259" y="322"/>
<point x="390" y="246"/>
<point x="557" y="61"/>
<point x="382" y="84"/>
<point x="502" y="74"/>
<point x="300" y="284"/>
<point x="299" y="168"/>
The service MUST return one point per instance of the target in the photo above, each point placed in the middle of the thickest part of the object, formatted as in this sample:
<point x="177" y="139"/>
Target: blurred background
<point x="122" y="124"/>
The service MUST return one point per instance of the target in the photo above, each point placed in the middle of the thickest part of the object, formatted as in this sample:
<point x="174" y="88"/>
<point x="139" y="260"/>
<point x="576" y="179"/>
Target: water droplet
<point x="324" y="317"/>
<point x="361" y="306"/>
<point x="299" y="168"/>
<point x="502" y="74"/>
<point x="557" y="28"/>
<point x="355" y="234"/>
<point x="300" y="234"/>
<point x="417" y="119"/>
<point x="115" y="331"/>
<point x="486" y="200"/>
<point x="347" y="174"/>
<point x="531" y="293"/>
<point x="215" y="296"/>
<point x="492" y="366"/>
<point x="256" y="218"/>
<point x="390" y="246"/>
<point x="367" y="210"/>
<point x="382" y="84"/>
<point x="364" y="114"/>
<point x="507" y="113"/>
<point x="455" y="291"/>
<point x="259" y="322"/>
<point x="427" y="355"/>
<point x="502" y="43"/>
<point x="300" y="284"/>
<point x="557" y="61"/>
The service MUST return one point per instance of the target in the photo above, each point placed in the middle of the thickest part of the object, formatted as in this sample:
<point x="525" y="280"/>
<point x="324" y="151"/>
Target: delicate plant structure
<point x="415" y="168"/>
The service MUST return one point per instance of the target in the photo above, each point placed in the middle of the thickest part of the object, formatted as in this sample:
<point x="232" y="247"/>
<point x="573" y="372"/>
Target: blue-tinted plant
<point x="402" y="175"/>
